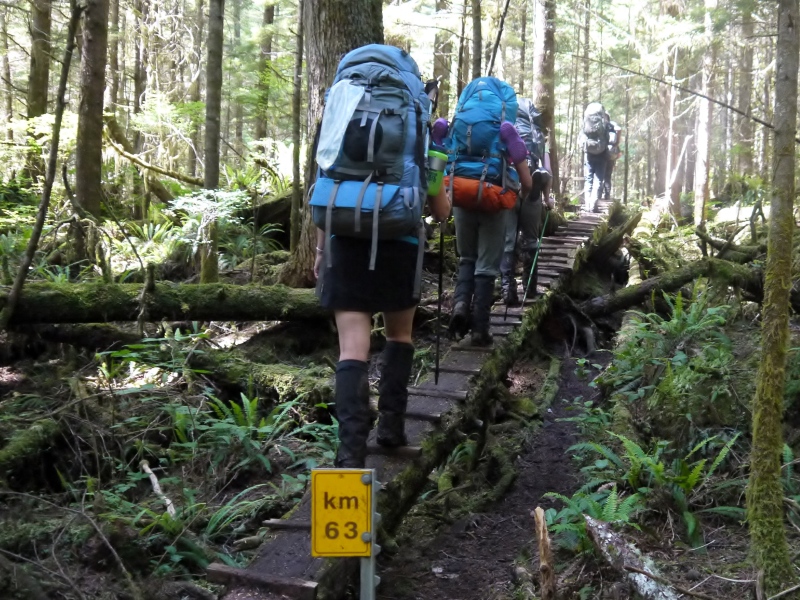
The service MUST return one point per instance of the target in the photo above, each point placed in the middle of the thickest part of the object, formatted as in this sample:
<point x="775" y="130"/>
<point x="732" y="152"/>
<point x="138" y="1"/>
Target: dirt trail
<point x="474" y="558"/>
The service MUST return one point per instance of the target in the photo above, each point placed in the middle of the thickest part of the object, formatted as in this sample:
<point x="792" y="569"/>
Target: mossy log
<point x="26" y="444"/>
<point x="731" y="273"/>
<point x="101" y="303"/>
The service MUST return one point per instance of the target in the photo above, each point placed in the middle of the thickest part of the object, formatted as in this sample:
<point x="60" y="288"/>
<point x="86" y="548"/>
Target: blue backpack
<point x="473" y="145"/>
<point x="372" y="148"/>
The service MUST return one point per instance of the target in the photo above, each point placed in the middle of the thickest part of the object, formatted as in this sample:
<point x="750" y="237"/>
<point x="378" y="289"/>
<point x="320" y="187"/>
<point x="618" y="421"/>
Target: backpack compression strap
<point x="328" y="220"/>
<point x="375" y="215"/>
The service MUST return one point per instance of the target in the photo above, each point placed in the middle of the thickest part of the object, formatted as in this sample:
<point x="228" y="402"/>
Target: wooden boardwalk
<point x="437" y="416"/>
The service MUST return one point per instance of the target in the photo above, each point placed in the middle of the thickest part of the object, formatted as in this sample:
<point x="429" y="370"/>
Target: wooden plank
<point x="457" y="369"/>
<point x="298" y="589"/>
<point x="476" y="349"/>
<point x="437" y="393"/>
<point x="287" y="524"/>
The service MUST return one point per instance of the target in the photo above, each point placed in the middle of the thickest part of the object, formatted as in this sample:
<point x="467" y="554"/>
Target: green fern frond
<point x="610" y="506"/>
<point x="600" y="449"/>
<point x="722" y="455"/>
<point x="694" y="476"/>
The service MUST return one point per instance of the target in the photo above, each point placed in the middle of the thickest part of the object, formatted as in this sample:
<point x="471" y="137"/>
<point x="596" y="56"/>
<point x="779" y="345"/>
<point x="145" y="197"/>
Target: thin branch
<point x="687" y="91"/>
<point x="785" y="592"/>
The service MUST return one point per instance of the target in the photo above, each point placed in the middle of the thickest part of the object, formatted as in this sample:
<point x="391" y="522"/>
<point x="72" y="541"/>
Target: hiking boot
<point x="484" y="297"/>
<point x="397" y="359"/>
<point x="353" y="414"/>
<point x="508" y="282"/>
<point x="465" y="286"/>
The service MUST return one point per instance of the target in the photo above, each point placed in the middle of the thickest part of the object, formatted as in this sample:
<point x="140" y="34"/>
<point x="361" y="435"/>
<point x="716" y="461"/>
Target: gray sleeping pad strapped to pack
<point x="594" y="128"/>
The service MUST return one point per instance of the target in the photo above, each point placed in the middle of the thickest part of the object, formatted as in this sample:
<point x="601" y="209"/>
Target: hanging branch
<point x="691" y="92"/>
<point x="151" y="167"/>
<point x="44" y="204"/>
<point x="497" y="40"/>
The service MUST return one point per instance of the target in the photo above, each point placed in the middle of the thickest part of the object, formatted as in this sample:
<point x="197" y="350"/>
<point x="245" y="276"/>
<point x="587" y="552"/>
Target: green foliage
<point x="677" y="373"/>
<point x="608" y="506"/>
<point x="592" y="421"/>
<point x="677" y="484"/>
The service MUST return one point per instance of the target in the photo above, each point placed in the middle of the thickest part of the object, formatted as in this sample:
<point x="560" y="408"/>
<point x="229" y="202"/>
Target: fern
<point x="610" y="507"/>
<point x="721" y="456"/>
<point x="600" y="449"/>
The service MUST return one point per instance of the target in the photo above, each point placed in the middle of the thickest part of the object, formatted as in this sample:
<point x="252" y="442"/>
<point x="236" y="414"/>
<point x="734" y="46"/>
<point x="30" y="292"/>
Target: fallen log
<point x="42" y="303"/>
<point x="613" y="240"/>
<point x="619" y="554"/>
<point x="729" y="251"/>
<point x="103" y="303"/>
<point x="740" y="276"/>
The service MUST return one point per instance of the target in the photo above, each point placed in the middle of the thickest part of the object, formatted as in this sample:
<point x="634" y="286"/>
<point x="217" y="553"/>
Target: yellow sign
<point x="341" y="511"/>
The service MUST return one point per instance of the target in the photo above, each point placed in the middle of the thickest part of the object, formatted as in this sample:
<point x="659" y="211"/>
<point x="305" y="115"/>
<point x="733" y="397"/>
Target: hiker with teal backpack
<point x="367" y="204"/>
<point x="487" y="168"/>
<point x="524" y="222"/>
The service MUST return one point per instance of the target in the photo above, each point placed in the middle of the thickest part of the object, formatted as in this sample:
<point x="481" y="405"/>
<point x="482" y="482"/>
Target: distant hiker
<point x="614" y="152"/>
<point x="482" y="144"/>
<point x="523" y="223"/>
<point x="594" y="140"/>
<point x="367" y="205"/>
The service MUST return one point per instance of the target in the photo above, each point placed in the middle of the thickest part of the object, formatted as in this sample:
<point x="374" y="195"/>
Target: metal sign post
<point x="344" y="521"/>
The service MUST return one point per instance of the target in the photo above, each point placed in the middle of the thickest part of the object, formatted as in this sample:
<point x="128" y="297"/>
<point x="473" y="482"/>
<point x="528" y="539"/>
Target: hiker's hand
<point x="318" y="264"/>
<point x="550" y="203"/>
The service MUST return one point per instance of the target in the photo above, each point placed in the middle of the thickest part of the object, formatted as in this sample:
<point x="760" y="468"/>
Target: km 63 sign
<point x="341" y="510"/>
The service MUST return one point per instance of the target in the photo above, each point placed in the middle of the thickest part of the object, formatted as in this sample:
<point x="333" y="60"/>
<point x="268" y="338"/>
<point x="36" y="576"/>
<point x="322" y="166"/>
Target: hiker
<point x="614" y="152"/>
<point x="523" y="222"/>
<point x="370" y="260"/>
<point x="594" y="140"/>
<point x="482" y="144"/>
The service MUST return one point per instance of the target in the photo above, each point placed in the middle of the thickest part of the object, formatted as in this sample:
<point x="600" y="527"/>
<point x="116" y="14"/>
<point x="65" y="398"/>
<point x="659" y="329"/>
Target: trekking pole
<point x="535" y="258"/>
<point x="516" y="240"/>
<point x="439" y="307"/>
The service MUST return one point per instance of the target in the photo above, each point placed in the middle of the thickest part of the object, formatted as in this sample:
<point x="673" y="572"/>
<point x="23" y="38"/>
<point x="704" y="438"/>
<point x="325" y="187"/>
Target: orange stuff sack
<point x="493" y="198"/>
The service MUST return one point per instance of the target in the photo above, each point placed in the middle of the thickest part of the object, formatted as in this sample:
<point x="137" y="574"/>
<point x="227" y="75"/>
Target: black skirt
<point x="350" y="285"/>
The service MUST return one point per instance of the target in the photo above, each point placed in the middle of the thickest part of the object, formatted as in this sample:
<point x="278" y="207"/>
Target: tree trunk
<point x="586" y="23"/>
<point x="140" y="62"/>
<point x="263" y="71"/>
<point x="209" y="260"/>
<point x="194" y="90"/>
<point x="89" y="139"/>
<point x="767" y="135"/>
<point x="38" y="76"/>
<point x="113" y="55"/>
<point x="703" y="134"/>
<point x="8" y="91"/>
<point x="544" y="74"/>
<point x="745" y="128"/>
<point x="523" y="51"/>
<point x="477" y="40"/>
<point x="238" y="106"/>
<point x="333" y="28"/>
<point x="442" y="62"/>
<point x="765" y="514"/>
<point x="463" y="53"/>
<point x="297" y="193"/>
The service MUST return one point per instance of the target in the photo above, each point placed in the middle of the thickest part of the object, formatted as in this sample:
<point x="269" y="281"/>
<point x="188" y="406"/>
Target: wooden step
<point x="434" y="393"/>
<point x="297" y="589"/>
